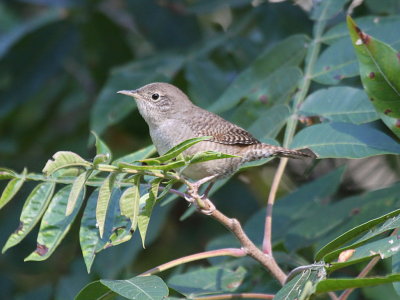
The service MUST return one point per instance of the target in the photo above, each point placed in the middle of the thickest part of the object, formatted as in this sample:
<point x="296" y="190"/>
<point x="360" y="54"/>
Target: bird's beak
<point x="131" y="93"/>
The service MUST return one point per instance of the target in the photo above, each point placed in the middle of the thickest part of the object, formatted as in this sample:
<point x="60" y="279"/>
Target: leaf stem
<point x="312" y="55"/>
<point x="236" y="252"/>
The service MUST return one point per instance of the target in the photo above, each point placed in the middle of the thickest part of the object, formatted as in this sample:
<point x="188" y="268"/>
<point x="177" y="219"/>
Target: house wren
<point x="173" y="118"/>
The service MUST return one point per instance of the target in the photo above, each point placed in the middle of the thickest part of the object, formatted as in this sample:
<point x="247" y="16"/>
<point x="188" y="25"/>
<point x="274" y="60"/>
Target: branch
<point x="237" y="295"/>
<point x="235" y="252"/>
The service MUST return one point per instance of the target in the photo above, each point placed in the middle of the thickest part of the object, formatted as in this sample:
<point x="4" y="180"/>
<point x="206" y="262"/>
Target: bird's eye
<point x="155" y="96"/>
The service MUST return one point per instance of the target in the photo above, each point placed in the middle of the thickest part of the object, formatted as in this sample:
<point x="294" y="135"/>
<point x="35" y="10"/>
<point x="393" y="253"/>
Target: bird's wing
<point x="206" y="123"/>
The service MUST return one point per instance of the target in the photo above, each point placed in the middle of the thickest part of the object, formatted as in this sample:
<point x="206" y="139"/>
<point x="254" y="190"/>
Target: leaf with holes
<point x="34" y="208"/>
<point x="379" y="70"/>
<point x="55" y="224"/>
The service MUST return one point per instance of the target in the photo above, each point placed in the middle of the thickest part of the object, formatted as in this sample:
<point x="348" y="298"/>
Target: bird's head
<point x="159" y="101"/>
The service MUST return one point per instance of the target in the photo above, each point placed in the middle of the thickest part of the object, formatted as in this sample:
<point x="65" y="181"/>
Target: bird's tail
<point x="261" y="150"/>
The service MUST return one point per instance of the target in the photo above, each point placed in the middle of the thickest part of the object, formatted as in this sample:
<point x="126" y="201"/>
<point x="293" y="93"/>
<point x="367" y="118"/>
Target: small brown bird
<point x="173" y="118"/>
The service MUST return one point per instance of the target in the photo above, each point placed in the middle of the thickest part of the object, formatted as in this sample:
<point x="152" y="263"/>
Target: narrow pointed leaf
<point x="338" y="284"/>
<point x="89" y="233"/>
<point x="11" y="189"/>
<point x="7" y="174"/>
<point x="136" y="156"/>
<point x="164" y="167"/>
<point x="148" y="200"/>
<point x="64" y="159"/>
<point x="103" y="153"/>
<point x="55" y="224"/>
<point x="103" y="201"/>
<point x="34" y="208"/>
<point x="354" y="232"/>
<point x="384" y="248"/>
<point x="77" y="187"/>
<point x="208" y="155"/>
<point x="175" y="151"/>
<point x="129" y="202"/>
<point x="139" y="288"/>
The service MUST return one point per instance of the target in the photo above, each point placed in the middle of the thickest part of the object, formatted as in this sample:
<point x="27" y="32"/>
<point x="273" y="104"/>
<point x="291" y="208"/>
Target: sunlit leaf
<point x="130" y="200"/>
<point x="103" y="153"/>
<point x="34" y="208"/>
<point x="147" y="202"/>
<point x="135" y="156"/>
<point x="103" y="201"/>
<point x="11" y="189"/>
<point x="55" y="224"/>
<point x="64" y="159"/>
<point x="7" y="174"/>
<point x="77" y="187"/>
<point x="175" y="151"/>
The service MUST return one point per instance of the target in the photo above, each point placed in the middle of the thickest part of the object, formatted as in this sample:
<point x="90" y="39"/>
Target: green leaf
<point x="164" y="167"/>
<point x="95" y="291"/>
<point x="396" y="269"/>
<point x="103" y="153"/>
<point x="208" y="155"/>
<point x="329" y="285"/>
<point x="130" y="200"/>
<point x="7" y="174"/>
<point x="64" y="159"/>
<point x="135" y="156"/>
<point x="270" y="122"/>
<point x="385" y="248"/>
<point x="77" y="187"/>
<point x="55" y="224"/>
<point x="384" y="27"/>
<point x="390" y="221"/>
<point x="289" y="52"/>
<point x="325" y="10"/>
<point x="88" y="233"/>
<point x="103" y="200"/>
<point x="139" y="288"/>
<point x="303" y="285"/>
<point x="11" y="189"/>
<point x="34" y="208"/>
<point x="148" y="201"/>
<point x="345" y="140"/>
<point x="207" y="281"/>
<point x="379" y="68"/>
<point x="175" y="151"/>
<point x="340" y="104"/>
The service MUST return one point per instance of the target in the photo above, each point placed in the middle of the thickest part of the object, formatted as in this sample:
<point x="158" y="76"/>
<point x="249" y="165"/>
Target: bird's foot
<point x="210" y="207"/>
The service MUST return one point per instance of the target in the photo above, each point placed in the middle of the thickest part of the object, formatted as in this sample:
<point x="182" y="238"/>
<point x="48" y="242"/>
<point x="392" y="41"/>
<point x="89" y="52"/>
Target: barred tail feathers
<point x="264" y="151"/>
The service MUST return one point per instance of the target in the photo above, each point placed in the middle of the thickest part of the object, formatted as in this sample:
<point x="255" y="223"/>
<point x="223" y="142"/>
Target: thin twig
<point x="236" y="252"/>
<point x="366" y="270"/>
<point x="237" y="296"/>
<point x="267" y="241"/>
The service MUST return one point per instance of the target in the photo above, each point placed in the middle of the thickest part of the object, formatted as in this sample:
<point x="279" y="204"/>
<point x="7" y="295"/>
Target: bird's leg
<point x="201" y="201"/>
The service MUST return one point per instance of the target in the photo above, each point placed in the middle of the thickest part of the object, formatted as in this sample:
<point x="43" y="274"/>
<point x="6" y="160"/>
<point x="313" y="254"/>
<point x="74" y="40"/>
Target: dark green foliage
<point x="303" y="79"/>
